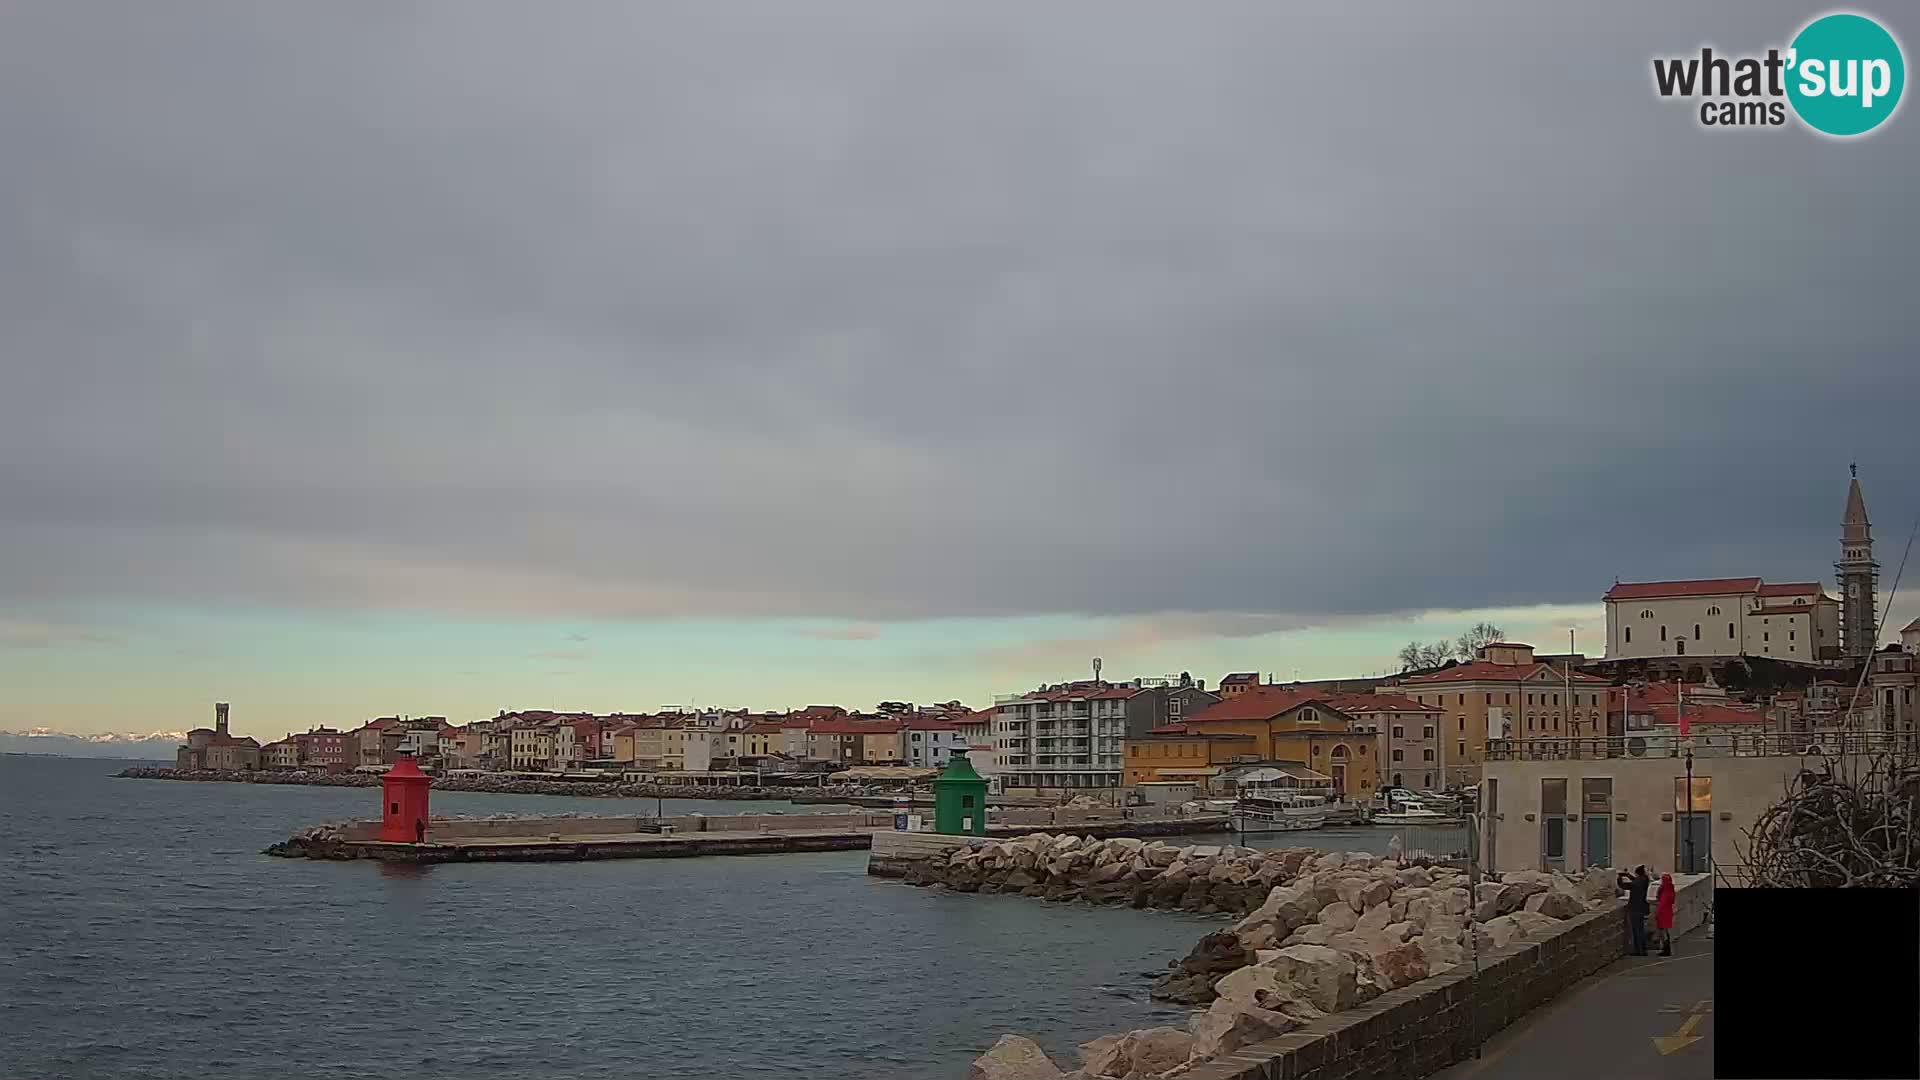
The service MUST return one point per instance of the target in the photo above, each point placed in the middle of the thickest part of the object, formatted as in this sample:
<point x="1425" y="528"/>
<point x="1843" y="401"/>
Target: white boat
<point x="1415" y="815"/>
<point x="1273" y="811"/>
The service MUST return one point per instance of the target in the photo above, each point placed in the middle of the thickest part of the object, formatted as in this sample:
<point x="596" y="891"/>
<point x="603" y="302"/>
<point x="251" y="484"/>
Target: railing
<point x="1761" y="744"/>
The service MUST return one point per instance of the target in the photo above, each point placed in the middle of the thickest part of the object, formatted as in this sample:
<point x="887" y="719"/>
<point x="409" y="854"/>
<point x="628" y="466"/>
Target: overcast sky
<point x="829" y="325"/>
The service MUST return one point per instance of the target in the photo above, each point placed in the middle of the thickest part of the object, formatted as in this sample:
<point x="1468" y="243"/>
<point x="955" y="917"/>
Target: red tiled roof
<point x="1911" y="627"/>
<point x="1796" y="588"/>
<point x="1175" y="728"/>
<point x="1258" y="703"/>
<point x="1652" y="590"/>
<point x="1118" y="693"/>
<point x="930" y="723"/>
<point x="1488" y="671"/>
<point x="763" y="729"/>
<point x="1241" y="677"/>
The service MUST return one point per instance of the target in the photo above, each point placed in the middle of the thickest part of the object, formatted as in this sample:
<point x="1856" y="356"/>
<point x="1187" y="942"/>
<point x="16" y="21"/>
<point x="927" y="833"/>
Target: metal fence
<point x="1703" y="744"/>
<point x="1438" y="843"/>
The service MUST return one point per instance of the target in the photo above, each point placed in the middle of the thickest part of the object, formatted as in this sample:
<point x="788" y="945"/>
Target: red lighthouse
<point x="403" y="795"/>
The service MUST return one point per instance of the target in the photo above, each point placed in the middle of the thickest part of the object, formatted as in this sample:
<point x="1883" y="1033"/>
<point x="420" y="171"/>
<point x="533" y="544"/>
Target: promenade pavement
<point x="1639" y="1018"/>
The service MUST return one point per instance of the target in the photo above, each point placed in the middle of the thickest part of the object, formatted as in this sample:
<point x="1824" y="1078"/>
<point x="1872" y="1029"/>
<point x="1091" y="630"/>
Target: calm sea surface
<point x="142" y="934"/>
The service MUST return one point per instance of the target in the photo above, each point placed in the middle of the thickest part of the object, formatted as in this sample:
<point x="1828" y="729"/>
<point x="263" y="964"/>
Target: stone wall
<point x="442" y="829"/>
<point x="1411" y="1032"/>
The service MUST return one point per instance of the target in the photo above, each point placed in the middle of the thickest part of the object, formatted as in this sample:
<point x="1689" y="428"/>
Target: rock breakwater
<point x="1319" y="933"/>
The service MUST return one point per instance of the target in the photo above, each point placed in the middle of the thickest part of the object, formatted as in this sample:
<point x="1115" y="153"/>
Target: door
<point x="1693" y="842"/>
<point x="1553" y="843"/>
<point x="1598" y="848"/>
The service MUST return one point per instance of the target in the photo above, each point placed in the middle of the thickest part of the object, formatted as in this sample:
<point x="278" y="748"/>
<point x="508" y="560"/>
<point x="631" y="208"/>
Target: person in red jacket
<point x="1663" y="915"/>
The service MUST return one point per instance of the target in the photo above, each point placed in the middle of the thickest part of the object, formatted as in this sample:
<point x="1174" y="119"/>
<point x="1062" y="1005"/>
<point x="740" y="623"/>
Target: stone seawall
<point x="1357" y="967"/>
<point x="1414" y="1031"/>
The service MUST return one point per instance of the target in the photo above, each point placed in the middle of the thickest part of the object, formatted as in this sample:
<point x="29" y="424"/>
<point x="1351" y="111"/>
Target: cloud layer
<point x="881" y="311"/>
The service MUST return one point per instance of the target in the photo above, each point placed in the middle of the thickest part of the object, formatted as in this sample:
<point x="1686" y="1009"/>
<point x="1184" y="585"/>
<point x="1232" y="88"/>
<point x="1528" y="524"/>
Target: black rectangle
<point x="1816" y="983"/>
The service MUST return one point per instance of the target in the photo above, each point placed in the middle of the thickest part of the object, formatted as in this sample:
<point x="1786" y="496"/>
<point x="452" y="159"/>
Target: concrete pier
<point x="583" y="839"/>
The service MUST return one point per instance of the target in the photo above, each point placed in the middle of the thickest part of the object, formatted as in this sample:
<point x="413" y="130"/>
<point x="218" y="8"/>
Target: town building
<point x="929" y="742"/>
<point x="1895" y="689"/>
<point x="1507" y="694"/>
<point x="217" y="747"/>
<point x="1286" y="727"/>
<point x="1239" y="683"/>
<point x="530" y="747"/>
<point x="1722" y="618"/>
<point x="324" y="748"/>
<point x="281" y="754"/>
<point x="1064" y="738"/>
<point x="1628" y="802"/>
<point x="1407" y="737"/>
<point x="1858" y="575"/>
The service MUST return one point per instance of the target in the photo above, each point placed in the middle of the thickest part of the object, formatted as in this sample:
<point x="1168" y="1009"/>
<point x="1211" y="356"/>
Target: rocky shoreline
<point x="502" y="785"/>
<point x="1319" y="933"/>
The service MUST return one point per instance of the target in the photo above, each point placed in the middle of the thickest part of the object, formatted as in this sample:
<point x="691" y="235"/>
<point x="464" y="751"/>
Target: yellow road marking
<point x="1681" y="1039"/>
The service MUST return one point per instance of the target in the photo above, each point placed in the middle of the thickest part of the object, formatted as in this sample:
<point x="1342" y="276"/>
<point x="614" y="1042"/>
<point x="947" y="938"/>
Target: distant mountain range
<point x="157" y="745"/>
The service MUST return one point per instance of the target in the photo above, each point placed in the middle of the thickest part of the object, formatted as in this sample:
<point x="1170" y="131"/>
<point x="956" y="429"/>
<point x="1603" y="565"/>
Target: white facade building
<point x="1722" y="617"/>
<point x="1061" y="738"/>
<point x="930" y="742"/>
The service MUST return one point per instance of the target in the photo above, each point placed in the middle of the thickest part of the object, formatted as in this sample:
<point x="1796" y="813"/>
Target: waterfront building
<point x="764" y="739"/>
<point x="1507" y="694"/>
<point x="930" y="741"/>
<point x="531" y="747"/>
<point x="324" y="748"/>
<point x="1065" y="738"/>
<point x="217" y="747"/>
<point x="1622" y="801"/>
<point x="1173" y="755"/>
<point x="1296" y="727"/>
<point x="1407" y="736"/>
<point x="282" y="754"/>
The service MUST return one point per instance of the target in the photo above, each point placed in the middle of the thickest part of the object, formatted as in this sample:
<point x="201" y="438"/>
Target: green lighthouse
<point x="960" y="798"/>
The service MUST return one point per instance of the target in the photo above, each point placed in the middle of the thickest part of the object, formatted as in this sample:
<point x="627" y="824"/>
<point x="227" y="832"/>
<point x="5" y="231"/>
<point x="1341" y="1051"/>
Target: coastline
<point x="492" y="785"/>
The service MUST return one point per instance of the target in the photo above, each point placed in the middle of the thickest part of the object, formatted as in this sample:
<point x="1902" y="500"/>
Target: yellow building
<point x="1284" y="725"/>
<point x="1166" y="755"/>
<point x="1507" y="694"/>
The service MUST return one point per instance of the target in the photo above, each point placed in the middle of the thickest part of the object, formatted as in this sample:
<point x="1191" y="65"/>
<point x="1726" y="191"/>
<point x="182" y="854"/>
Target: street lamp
<point x="1686" y="826"/>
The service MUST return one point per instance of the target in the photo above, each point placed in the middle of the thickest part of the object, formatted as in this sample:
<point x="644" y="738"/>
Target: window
<point x="1399" y="755"/>
<point x="1428" y="733"/>
<point x="1463" y="722"/>
<point x="1556" y="699"/>
<point x="1729" y="631"/>
<point x="1509" y="699"/>
<point x="1696" y="631"/>
<point x="1764" y="636"/>
<point x="1426" y="755"/>
<point x="1713" y="610"/>
<point x="1340" y="751"/>
<point x="1463" y="700"/>
<point x="1789" y="635"/>
<point x="1629" y="634"/>
<point x="1529" y="699"/>
<point x="1646" y="613"/>
<point x="1399" y="732"/>
<point x="1460" y="750"/>
<point x="1663" y="633"/>
<point x="1489" y="699"/>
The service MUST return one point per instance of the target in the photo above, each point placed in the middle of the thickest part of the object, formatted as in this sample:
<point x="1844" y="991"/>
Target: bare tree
<point x="1850" y="824"/>
<point x="1415" y="656"/>
<point x="1478" y="636"/>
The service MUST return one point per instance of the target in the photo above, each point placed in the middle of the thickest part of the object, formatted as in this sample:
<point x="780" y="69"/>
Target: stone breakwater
<point x="1320" y="933"/>
<point x="503" y="785"/>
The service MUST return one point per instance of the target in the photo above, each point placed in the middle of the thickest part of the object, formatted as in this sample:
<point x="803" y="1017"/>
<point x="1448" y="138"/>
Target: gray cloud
<point x="874" y="311"/>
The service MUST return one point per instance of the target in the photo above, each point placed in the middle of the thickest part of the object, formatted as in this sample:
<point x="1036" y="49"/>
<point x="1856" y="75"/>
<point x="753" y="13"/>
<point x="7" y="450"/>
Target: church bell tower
<point x="1857" y="573"/>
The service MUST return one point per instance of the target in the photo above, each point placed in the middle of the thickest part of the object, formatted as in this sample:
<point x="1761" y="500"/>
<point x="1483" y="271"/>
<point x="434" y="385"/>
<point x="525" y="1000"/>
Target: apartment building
<point x="1064" y="738"/>
<point x="1507" y="694"/>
